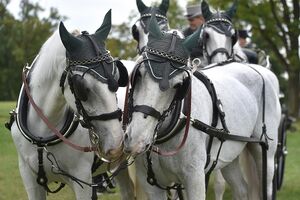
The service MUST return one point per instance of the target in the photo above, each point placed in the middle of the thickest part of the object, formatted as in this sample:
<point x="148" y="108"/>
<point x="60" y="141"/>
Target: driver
<point x="195" y="20"/>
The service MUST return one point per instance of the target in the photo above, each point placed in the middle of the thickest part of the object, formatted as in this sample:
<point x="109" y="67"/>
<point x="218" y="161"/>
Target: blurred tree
<point x="276" y="28"/>
<point x="120" y="42"/>
<point x="176" y="15"/>
<point x="21" y="39"/>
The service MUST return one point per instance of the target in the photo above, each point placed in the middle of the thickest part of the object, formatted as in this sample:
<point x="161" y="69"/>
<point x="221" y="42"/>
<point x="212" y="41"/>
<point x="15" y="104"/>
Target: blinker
<point x="79" y="86"/>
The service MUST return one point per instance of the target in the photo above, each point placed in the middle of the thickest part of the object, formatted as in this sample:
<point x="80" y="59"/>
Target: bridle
<point x="212" y="23"/>
<point x="162" y="21"/>
<point x="167" y="58"/>
<point x="103" y="60"/>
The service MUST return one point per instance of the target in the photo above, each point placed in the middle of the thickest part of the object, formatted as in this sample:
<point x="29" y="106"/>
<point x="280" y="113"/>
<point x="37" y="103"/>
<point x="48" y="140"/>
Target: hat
<point x="243" y="34"/>
<point x="193" y="11"/>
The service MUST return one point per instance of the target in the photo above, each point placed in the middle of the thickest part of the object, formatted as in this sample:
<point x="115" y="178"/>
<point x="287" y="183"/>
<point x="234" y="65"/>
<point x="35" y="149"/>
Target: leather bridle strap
<point x="186" y="132"/>
<point x="147" y="110"/>
<point x="219" y="50"/>
<point x="126" y="109"/>
<point x="106" y="116"/>
<point x="49" y="125"/>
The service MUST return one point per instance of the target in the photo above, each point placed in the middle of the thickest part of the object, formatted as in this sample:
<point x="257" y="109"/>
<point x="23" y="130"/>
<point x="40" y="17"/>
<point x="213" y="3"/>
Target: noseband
<point x="103" y="60"/>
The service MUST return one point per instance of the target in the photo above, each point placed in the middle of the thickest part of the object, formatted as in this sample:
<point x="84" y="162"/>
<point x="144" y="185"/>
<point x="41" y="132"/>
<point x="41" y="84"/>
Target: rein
<point x="186" y="132"/>
<point x="47" y="122"/>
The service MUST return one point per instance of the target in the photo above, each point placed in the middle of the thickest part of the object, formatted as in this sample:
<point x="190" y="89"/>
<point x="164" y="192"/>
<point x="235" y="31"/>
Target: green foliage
<point x="275" y="27"/>
<point x="176" y="15"/>
<point x="20" y="41"/>
<point x="120" y="42"/>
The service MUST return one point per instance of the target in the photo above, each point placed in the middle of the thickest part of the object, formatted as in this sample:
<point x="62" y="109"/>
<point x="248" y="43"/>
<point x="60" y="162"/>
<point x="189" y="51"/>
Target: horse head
<point x="160" y="79"/>
<point x="89" y="84"/>
<point x="218" y="35"/>
<point x="140" y="29"/>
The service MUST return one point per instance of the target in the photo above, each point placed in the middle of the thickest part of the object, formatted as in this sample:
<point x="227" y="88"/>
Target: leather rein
<point x="48" y="123"/>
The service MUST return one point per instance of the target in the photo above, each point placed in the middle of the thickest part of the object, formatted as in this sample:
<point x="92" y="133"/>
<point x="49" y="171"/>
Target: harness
<point x="163" y="22"/>
<point x="91" y="66"/>
<point x="222" y="134"/>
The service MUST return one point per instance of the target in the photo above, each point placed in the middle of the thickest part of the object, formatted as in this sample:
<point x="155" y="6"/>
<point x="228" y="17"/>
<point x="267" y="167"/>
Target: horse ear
<point x="69" y="41"/>
<point x="191" y="41"/>
<point x="102" y="32"/>
<point x="205" y="10"/>
<point x="164" y="6"/>
<point x="231" y="12"/>
<point x="141" y="6"/>
<point x="153" y="27"/>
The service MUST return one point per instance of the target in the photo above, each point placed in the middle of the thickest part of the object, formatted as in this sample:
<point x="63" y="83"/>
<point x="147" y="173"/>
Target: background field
<point x="11" y="186"/>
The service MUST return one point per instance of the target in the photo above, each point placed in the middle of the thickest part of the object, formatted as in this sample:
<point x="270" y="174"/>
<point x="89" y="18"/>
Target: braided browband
<point x="218" y="20"/>
<point x="157" y="15"/>
<point x="96" y="59"/>
<point x="166" y="55"/>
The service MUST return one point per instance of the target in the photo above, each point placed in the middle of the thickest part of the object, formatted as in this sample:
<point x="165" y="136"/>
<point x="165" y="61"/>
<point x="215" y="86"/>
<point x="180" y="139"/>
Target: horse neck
<point x="46" y="93"/>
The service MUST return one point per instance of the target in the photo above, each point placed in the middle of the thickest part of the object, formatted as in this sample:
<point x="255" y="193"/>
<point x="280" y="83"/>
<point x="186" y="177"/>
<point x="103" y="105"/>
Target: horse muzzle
<point x="107" y="155"/>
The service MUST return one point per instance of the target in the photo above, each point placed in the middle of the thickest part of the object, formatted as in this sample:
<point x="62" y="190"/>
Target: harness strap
<point x="49" y="125"/>
<point x="41" y="175"/>
<point x="222" y="134"/>
<point x="153" y="181"/>
<point x="216" y="103"/>
<point x="107" y="116"/>
<point x="186" y="132"/>
<point x="216" y="51"/>
<point x="215" y="162"/>
<point x="147" y="110"/>
<point x="264" y="128"/>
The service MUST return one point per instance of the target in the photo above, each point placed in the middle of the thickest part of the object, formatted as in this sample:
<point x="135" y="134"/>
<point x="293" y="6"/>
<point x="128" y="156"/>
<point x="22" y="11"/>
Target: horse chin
<point x="111" y="155"/>
<point x="136" y="150"/>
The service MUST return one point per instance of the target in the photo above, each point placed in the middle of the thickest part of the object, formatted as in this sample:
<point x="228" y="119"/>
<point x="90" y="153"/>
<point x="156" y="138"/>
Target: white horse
<point x="140" y="33"/>
<point x="140" y="28"/>
<point x="238" y="86"/>
<point x="219" y="42"/>
<point x="69" y="75"/>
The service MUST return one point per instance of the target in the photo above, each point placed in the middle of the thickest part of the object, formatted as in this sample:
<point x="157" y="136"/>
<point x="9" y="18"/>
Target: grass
<point x="11" y="186"/>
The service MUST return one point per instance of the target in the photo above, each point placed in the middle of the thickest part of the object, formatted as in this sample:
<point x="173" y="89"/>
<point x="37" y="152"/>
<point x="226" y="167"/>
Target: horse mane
<point x="50" y="61"/>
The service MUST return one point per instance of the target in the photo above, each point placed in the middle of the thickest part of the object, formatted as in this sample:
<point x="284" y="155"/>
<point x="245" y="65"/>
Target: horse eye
<point x="206" y="35"/>
<point x="135" y="32"/>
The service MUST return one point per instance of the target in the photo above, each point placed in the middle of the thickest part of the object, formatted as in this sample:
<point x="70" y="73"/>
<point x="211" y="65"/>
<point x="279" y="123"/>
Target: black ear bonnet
<point x="145" y="12"/>
<point x="219" y="21"/>
<point x="94" y="59"/>
<point x="165" y="58"/>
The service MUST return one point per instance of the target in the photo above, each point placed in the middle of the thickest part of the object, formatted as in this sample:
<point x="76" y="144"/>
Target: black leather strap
<point x="221" y="134"/>
<point x="147" y="110"/>
<point x="107" y="116"/>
